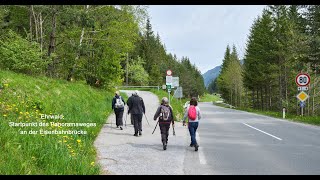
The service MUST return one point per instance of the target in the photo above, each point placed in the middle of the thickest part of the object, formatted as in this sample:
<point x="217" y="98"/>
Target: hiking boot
<point x="140" y="133"/>
<point x="121" y="128"/>
<point x="164" y="146"/>
<point x="136" y="135"/>
<point x="196" y="146"/>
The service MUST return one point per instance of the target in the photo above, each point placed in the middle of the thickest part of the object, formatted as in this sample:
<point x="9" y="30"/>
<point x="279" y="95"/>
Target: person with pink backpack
<point x="194" y="115"/>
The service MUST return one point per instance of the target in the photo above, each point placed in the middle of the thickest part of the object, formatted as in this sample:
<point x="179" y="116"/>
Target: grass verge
<point x="23" y="99"/>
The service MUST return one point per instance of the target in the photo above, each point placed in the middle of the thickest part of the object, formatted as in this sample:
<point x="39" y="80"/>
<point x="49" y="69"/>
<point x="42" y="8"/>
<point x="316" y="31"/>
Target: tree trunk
<point x="52" y="42"/>
<point x="258" y="102"/>
<point x="270" y="97"/>
<point x="41" y="31"/>
<point x="35" y="23"/>
<point x="280" y="91"/>
<point x="314" y="90"/>
<point x="72" y="70"/>
<point x="30" y="21"/>
<point x="261" y="96"/>
<point x="286" y="87"/>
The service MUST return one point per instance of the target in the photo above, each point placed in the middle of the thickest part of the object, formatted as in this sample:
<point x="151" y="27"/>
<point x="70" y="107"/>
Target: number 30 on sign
<point x="302" y="79"/>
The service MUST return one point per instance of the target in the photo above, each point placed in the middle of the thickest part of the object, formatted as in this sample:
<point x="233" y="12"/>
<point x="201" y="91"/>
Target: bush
<point x="19" y="55"/>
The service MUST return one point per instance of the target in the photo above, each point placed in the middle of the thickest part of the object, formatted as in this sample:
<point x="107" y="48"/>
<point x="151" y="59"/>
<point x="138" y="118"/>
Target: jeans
<point x="193" y="126"/>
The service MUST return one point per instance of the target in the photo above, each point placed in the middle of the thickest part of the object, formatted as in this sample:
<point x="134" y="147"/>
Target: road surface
<point x="231" y="142"/>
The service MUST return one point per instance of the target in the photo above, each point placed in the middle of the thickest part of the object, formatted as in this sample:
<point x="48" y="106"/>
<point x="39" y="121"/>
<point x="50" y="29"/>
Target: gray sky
<point x="202" y="33"/>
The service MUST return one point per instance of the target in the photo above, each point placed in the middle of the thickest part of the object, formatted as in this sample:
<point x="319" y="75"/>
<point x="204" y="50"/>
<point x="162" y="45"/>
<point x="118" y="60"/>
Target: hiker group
<point x="164" y="115"/>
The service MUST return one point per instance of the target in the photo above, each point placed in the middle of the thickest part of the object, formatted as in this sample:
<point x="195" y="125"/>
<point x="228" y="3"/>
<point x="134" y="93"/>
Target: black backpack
<point x="165" y="113"/>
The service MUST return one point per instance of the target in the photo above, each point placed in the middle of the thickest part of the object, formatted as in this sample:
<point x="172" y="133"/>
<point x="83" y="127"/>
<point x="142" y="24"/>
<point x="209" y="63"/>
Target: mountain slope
<point x="211" y="75"/>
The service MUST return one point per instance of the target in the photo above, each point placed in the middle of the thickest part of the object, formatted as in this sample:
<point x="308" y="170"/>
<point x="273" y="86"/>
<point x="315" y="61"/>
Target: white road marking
<point x="201" y="154"/>
<point x="262" y="131"/>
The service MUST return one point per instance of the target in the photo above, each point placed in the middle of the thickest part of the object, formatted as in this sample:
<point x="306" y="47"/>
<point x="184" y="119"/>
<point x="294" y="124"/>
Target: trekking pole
<point x="146" y="119"/>
<point x="155" y="127"/>
<point x="125" y="121"/>
<point x="174" y="132"/>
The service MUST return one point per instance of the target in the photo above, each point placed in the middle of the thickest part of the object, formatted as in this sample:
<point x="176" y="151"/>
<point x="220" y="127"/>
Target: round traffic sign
<point x="169" y="72"/>
<point x="302" y="79"/>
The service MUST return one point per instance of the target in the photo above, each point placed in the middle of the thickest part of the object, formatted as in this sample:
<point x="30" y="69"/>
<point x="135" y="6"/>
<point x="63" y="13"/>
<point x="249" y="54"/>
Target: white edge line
<point x="262" y="131"/>
<point x="202" y="158"/>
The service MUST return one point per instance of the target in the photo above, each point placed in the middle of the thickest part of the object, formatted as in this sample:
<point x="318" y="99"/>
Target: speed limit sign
<point x="302" y="79"/>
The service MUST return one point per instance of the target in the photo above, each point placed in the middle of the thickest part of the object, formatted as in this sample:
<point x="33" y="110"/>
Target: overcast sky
<point x="202" y="33"/>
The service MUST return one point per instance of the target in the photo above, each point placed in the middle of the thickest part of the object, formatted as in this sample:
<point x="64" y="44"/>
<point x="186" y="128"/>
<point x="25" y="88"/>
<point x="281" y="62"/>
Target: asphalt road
<point x="231" y="142"/>
<point x="237" y="142"/>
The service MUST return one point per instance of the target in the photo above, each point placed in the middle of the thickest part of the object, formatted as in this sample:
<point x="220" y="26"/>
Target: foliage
<point x="19" y="55"/>
<point x="24" y="99"/>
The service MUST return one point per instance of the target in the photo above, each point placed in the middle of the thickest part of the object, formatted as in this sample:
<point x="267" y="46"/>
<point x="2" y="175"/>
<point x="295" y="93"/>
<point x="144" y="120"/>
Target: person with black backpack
<point x="137" y="109"/>
<point x="165" y="115"/>
<point x="118" y="107"/>
<point x="194" y="115"/>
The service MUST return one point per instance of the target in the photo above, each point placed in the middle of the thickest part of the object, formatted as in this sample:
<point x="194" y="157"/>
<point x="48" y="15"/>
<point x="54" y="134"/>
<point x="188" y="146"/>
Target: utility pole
<point x="127" y="69"/>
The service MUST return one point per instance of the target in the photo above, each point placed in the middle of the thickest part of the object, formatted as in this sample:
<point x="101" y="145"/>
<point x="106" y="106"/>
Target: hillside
<point x="22" y="101"/>
<point x="211" y="75"/>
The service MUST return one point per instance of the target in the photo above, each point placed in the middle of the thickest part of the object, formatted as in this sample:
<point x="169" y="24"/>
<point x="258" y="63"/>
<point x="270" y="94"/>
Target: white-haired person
<point x="165" y="115"/>
<point x="137" y="109"/>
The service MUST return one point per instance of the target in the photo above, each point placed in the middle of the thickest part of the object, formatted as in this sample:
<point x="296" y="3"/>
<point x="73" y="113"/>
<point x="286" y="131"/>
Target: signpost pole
<point x="169" y="95"/>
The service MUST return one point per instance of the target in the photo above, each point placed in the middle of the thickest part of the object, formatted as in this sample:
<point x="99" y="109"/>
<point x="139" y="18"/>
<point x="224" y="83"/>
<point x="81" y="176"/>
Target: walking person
<point x="131" y="118"/>
<point x="137" y="109"/>
<point x="165" y="115"/>
<point x="194" y="115"/>
<point x="118" y="107"/>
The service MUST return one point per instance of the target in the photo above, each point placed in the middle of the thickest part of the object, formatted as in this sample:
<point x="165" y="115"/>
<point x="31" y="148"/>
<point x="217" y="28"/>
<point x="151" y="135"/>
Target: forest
<point x="105" y="46"/>
<point x="283" y="42"/>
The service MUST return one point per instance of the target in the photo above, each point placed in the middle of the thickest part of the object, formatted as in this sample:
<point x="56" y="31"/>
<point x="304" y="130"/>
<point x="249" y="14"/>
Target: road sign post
<point x="169" y="82"/>
<point x="302" y="81"/>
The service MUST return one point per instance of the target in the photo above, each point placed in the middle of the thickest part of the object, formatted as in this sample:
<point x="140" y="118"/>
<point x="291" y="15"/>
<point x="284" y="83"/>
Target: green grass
<point x="176" y="104"/>
<point x="315" y="120"/>
<point x="210" y="98"/>
<point x="23" y="98"/>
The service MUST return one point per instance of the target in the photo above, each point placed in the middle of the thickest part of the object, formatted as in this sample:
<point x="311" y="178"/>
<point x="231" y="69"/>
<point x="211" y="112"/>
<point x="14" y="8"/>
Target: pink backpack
<point x="192" y="113"/>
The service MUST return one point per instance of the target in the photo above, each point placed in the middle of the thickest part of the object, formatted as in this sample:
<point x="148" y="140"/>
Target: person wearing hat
<point x="165" y="115"/>
<point x="118" y="107"/>
<point x="137" y="109"/>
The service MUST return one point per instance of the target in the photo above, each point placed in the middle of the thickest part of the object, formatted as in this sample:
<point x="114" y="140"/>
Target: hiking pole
<point x="125" y="121"/>
<point x="174" y="132"/>
<point x="155" y="127"/>
<point x="146" y="119"/>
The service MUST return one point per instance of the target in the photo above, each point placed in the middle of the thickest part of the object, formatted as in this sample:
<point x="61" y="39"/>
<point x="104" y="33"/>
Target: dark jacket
<point x="136" y="105"/>
<point x="157" y="115"/>
<point x="114" y="102"/>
